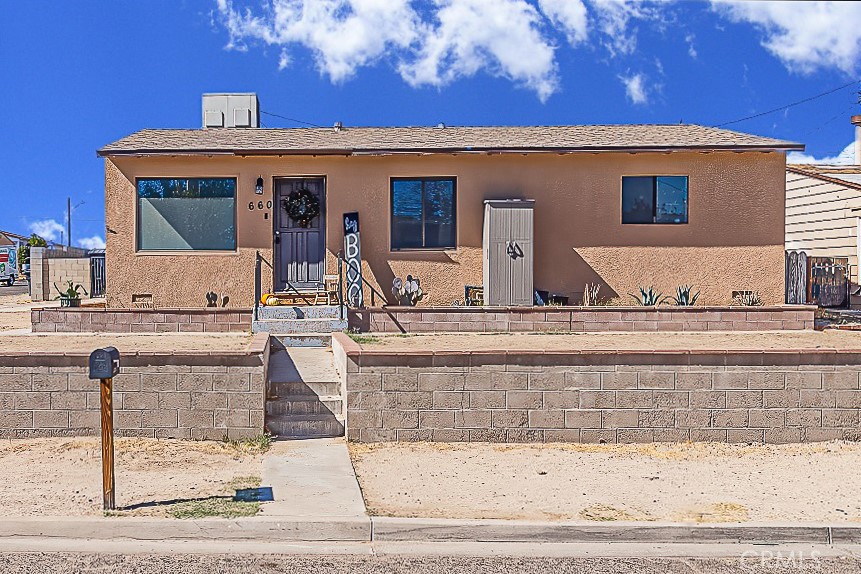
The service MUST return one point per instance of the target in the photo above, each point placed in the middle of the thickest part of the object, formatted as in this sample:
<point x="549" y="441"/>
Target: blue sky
<point x="77" y="75"/>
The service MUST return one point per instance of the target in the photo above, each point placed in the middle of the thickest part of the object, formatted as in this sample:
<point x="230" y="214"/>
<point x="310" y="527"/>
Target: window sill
<point x="193" y="252"/>
<point x="423" y="250"/>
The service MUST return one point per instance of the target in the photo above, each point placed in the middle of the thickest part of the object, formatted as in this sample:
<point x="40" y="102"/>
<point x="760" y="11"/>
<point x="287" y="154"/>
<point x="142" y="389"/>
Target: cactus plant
<point x="590" y="294"/>
<point x="747" y="299"/>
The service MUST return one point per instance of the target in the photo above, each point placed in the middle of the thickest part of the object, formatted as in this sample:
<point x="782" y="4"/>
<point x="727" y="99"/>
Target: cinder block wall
<point x="191" y="396"/>
<point x="534" y="397"/>
<point x="49" y="267"/>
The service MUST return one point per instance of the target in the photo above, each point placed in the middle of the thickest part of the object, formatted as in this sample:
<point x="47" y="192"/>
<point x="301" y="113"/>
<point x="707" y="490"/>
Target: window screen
<point x="186" y="214"/>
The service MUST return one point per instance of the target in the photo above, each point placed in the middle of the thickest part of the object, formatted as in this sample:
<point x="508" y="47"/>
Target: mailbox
<point x="104" y="363"/>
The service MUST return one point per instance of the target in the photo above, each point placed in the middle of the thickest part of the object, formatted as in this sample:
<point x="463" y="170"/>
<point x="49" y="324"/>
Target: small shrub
<point x="684" y="297"/>
<point x="259" y="443"/>
<point x="747" y="299"/>
<point x="649" y="297"/>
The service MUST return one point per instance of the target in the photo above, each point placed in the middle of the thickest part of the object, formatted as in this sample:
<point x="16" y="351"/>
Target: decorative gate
<point x="828" y="281"/>
<point x="97" y="273"/>
<point x="796" y="277"/>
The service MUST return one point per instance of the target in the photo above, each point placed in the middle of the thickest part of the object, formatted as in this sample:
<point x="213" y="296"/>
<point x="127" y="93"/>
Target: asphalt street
<point x="59" y="563"/>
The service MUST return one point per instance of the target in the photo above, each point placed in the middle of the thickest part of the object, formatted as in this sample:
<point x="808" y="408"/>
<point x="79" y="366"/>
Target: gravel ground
<point x="61" y="563"/>
<point x="760" y="340"/>
<point x="689" y="482"/>
<point x="62" y="476"/>
<point x="124" y="342"/>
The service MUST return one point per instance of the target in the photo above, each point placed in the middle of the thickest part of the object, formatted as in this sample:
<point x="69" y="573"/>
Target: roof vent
<point x="441" y="125"/>
<point x="230" y="111"/>
<point x="338" y="126"/>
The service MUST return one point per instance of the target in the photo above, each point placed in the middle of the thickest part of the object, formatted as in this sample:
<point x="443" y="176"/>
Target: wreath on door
<point x="301" y="206"/>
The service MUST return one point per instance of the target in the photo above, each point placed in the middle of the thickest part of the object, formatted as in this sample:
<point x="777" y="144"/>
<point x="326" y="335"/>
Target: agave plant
<point x="648" y="297"/>
<point x="684" y="296"/>
<point x="747" y="299"/>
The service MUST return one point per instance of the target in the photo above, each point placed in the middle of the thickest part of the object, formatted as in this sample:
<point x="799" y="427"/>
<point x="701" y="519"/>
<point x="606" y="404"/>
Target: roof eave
<point x="834" y="180"/>
<point x="486" y="150"/>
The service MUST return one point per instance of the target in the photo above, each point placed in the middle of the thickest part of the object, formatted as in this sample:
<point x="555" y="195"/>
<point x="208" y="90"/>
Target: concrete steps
<point x="311" y="321"/>
<point x="304" y="397"/>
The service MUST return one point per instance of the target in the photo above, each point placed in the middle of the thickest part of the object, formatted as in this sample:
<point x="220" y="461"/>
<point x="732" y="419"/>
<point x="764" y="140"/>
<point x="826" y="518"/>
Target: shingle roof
<point x="848" y="175"/>
<point x="358" y="140"/>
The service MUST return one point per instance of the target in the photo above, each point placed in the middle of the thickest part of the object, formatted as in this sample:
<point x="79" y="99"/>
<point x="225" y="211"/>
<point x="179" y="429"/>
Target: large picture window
<point x="176" y="214"/>
<point x="655" y="199"/>
<point x="423" y="213"/>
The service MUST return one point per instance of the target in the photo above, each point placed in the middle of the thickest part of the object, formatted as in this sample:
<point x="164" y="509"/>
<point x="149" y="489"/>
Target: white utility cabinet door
<point x="508" y="247"/>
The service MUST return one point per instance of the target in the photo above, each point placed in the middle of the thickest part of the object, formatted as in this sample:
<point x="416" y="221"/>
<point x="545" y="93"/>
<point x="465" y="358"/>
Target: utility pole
<point x="69" y="209"/>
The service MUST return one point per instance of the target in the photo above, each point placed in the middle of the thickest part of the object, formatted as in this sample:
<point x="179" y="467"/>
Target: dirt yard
<point x="759" y="340"/>
<point x="125" y="342"/>
<point x="63" y="477"/>
<point x="692" y="482"/>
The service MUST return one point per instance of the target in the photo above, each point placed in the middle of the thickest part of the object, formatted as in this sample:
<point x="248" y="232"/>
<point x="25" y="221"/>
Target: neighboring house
<point x="823" y="208"/>
<point x="619" y="205"/>
<point x="8" y="238"/>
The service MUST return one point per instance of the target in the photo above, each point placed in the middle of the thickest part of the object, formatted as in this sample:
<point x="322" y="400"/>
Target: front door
<point x="299" y="250"/>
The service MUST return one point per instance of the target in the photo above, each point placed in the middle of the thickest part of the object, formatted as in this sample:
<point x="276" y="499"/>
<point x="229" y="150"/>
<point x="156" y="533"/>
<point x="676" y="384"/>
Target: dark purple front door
<point x="299" y="251"/>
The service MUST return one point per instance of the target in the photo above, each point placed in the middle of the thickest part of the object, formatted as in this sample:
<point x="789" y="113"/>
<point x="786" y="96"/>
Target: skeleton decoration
<point x="409" y="291"/>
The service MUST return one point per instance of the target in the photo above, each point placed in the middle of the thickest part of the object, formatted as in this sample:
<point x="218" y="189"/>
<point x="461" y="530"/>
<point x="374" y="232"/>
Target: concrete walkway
<point x="312" y="478"/>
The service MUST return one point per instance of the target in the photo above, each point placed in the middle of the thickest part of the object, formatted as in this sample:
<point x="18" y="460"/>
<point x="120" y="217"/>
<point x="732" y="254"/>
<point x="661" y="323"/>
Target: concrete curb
<point x="310" y="529"/>
<point x="382" y="529"/>
<point x="438" y="530"/>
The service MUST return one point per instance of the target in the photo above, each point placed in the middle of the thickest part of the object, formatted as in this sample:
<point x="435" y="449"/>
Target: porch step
<point x="304" y="340"/>
<point x="303" y="393"/>
<point x="309" y="388"/>
<point x="269" y="313"/>
<point x="305" y="426"/>
<point x="298" y="326"/>
<point x="305" y="405"/>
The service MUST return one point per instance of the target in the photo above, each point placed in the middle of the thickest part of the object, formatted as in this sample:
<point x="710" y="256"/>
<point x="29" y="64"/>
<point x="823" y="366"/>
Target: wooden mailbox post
<point x="105" y="365"/>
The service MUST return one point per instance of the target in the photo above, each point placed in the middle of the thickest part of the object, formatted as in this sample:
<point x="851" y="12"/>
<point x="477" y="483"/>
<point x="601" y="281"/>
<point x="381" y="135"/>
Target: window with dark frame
<point x="655" y="199"/>
<point x="186" y="214"/>
<point x="423" y="213"/>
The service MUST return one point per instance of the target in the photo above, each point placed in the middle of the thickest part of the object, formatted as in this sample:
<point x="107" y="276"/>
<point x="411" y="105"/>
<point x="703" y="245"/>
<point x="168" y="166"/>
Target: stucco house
<point x="188" y="210"/>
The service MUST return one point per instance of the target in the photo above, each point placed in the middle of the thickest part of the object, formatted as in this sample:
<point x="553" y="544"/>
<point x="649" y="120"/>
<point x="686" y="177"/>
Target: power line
<point x="786" y="107"/>
<point x="290" y="119"/>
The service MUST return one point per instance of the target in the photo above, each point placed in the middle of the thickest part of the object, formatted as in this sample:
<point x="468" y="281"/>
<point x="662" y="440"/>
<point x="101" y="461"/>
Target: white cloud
<point x="344" y="35"/>
<point x="635" y="88"/>
<point x="845" y="157"/>
<point x="805" y="36"/>
<point x="613" y="19"/>
<point x="48" y="229"/>
<point x="500" y="37"/>
<point x="570" y="16"/>
<point x="94" y="242"/>
<point x="692" y="50"/>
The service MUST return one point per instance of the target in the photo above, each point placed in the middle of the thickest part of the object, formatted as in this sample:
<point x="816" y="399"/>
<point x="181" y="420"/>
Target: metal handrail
<point x="352" y="266"/>
<point x="258" y="287"/>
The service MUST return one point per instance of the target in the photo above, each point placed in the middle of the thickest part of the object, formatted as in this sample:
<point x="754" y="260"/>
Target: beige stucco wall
<point x="733" y="241"/>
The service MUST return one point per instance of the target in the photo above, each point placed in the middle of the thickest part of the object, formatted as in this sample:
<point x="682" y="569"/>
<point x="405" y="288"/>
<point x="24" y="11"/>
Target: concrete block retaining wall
<point x="101" y="320"/>
<point x="664" y="318"/>
<point x="522" y="396"/>
<point x="194" y="395"/>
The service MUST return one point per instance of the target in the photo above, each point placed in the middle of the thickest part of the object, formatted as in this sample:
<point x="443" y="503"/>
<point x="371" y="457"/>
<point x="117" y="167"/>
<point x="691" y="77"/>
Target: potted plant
<point x="71" y="297"/>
